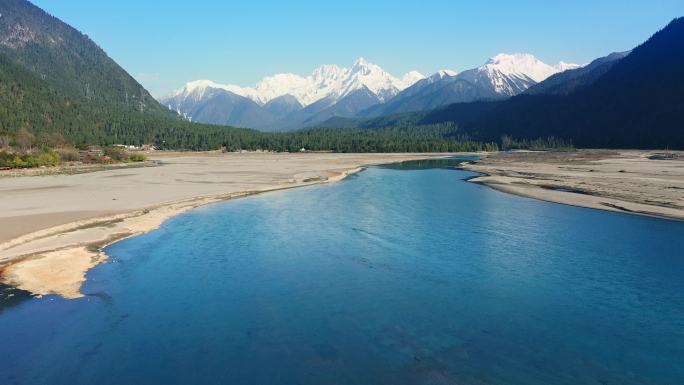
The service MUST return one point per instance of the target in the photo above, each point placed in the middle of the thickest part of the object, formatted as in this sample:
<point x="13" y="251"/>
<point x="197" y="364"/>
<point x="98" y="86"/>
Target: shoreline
<point x="530" y="178"/>
<point x="55" y="261"/>
<point x="543" y="194"/>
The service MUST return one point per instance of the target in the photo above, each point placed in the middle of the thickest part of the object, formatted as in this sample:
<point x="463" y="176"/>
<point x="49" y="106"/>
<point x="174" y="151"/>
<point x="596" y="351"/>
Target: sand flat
<point x="52" y="236"/>
<point x="14" y="227"/>
<point x="624" y="181"/>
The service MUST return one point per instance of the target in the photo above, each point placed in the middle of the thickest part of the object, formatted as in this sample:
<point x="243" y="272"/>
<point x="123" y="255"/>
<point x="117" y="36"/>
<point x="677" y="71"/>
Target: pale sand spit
<point x="624" y="181"/>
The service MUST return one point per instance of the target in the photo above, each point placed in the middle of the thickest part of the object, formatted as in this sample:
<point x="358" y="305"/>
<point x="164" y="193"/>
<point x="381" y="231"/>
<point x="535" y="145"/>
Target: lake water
<point x="400" y="275"/>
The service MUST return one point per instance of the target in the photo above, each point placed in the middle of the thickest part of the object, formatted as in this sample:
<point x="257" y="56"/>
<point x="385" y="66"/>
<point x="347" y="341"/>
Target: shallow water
<point x="389" y="277"/>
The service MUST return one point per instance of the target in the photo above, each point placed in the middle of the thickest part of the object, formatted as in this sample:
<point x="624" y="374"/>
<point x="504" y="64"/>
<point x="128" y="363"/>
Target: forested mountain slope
<point x="637" y="103"/>
<point x="68" y="60"/>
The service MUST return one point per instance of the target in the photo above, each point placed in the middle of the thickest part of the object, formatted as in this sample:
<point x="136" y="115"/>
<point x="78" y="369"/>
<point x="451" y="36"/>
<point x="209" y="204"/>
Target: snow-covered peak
<point x="563" y="66"/>
<point x="525" y="64"/>
<point x="371" y="76"/>
<point x="361" y="62"/>
<point x="276" y="85"/>
<point x="441" y="74"/>
<point x="194" y="86"/>
<point x="199" y="88"/>
<point x="520" y="64"/>
<point x="328" y="72"/>
<point x="409" y="79"/>
<point x="363" y="68"/>
<point x="510" y="74"/>
<point x="325" y="81"/>
<point x="445" y="73"/>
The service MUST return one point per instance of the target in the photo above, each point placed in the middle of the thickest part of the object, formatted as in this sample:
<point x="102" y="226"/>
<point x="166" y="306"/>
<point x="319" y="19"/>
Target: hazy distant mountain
<point x="67" y="60"/>
<point x="283" y="105"/>
<point x="298" y="119"/>
<point x="500" y="77"/>
<point x="228" y="109"/>
<point x="347" y="107"/>
<point x="364" y="83"/>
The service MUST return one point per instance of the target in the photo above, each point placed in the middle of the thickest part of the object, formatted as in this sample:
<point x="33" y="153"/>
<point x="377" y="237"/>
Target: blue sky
<point x="167" y="43"/>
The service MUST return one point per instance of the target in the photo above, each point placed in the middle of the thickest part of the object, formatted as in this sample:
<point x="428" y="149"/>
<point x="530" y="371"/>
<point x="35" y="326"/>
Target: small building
<point x="147" y="147"/>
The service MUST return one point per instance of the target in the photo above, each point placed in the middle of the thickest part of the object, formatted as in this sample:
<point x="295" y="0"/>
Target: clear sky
<point x="166" y="43"/>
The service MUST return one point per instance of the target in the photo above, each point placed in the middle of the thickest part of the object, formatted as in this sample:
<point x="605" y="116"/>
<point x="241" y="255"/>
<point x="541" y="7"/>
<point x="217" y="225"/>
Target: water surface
<point x="401" y="275"/>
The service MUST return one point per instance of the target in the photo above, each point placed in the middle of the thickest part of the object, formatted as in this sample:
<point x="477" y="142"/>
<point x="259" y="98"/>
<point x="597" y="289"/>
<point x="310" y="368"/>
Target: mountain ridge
<point x="68" y="59"/>
<point x="325" y="80"/>
<point x="365" y="89"/>
<point x="357" y="87"/>
<point x="637" y="103"/>
<point x="500" y="77"/>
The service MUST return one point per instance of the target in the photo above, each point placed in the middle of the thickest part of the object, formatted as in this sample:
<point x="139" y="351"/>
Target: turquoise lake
<point x="397" y="275"/>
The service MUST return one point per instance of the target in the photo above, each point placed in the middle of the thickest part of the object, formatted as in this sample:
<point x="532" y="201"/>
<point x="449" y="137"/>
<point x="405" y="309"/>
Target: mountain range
<point x="54" y="79"/>
<point x="365" y="89"/>
<point x="500" y="77"/>
<point x="624" y="100"/>
<point x="284" y="101"/>
<point x="631" y="99"/>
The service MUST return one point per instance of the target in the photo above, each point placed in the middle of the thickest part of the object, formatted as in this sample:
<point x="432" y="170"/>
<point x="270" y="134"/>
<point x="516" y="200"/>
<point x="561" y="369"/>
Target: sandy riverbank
<point x="53" y="227"/>
<point x="625" y="181"/>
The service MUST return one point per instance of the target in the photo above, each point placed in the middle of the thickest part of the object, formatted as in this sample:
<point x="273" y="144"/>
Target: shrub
<point x="115" y="153"/>
<point x="43" y="157"/>
<point x="68" y="154"/>
<point x="10" y="160"/>
<point x="138" y="157"/>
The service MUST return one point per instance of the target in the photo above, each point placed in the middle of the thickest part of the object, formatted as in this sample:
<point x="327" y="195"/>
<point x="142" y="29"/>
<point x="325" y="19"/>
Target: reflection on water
<point x="389" y="277"/>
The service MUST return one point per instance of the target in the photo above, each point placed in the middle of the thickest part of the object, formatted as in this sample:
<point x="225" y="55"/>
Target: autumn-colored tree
<point x="24" y="140"/>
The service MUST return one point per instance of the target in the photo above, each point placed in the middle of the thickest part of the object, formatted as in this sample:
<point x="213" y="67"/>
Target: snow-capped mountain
<point x="511" y="74"/>
<point x="205" y="103"/>
<point x="502" y="76"/>
<point x="325" y="81"/>
<point x="563" y="66"/>
<point x="327" y="85"/>
<point x="288" y="101"/>
<point x="439" y="75"/>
